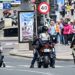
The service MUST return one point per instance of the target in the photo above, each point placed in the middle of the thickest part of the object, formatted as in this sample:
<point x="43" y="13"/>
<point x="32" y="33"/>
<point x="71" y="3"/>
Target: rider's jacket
<point x="37" y="42"/>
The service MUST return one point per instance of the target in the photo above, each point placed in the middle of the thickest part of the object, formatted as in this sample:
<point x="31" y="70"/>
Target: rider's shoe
<point x="32" y="66"/>
<point x="4" y="64"/>
<point x="53" y="66"/>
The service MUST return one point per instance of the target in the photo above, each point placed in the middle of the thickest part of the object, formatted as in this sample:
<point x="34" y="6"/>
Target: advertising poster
<point x="26" y="25"/>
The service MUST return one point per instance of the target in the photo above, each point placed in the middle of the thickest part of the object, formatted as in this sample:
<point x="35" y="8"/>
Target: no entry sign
<point x="43" y="8"/>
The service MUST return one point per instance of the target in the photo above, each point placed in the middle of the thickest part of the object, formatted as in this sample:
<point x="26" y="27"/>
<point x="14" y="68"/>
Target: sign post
<point x="44" y="9"/>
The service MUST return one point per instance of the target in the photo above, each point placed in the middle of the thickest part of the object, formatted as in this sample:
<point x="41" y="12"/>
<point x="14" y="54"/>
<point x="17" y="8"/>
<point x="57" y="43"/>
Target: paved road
<point x="20" y="66"/>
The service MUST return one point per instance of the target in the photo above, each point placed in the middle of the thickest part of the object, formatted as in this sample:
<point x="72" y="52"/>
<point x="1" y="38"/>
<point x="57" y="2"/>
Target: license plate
<point x="46" y="50"/>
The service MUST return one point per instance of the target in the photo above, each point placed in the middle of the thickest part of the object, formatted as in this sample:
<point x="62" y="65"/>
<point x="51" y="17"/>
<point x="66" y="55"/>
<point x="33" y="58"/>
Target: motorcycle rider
<point x="45" y="37"/>
<point x="38" y="43"/>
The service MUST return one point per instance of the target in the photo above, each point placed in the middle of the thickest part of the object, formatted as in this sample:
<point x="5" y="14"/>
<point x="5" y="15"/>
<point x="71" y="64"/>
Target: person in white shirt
<point x="44" y="36"/>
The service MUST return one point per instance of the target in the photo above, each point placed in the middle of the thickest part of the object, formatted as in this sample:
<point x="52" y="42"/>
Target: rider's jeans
<point x="34" y="57"/>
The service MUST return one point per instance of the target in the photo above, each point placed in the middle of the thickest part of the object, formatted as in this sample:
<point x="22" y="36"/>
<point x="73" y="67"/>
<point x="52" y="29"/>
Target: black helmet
<point x="44" y="28"/>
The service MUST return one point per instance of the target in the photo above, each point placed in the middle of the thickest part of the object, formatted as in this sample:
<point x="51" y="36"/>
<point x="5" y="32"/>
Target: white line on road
<point x="30" y="71"/>
<point x="28" y="66"/>
<point x="57" y="66"/>
<point x="10" y="66"/>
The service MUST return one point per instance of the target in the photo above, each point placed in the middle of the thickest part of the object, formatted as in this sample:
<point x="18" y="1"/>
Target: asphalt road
<point x="20" y="66"/>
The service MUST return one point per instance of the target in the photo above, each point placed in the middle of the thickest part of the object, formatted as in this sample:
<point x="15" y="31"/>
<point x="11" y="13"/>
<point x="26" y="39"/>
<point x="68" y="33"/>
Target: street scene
<point x="37" y="37"/>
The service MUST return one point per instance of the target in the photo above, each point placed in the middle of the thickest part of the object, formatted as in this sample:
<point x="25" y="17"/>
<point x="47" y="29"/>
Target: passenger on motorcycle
<point x="45" y="37"/>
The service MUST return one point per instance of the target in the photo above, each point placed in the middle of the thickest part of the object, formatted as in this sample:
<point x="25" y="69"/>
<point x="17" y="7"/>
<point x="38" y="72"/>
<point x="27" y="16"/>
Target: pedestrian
<point x="57" y="28"/>
<point x="52" y="31"/>
<point x="61" y="31"/>
<point x="70" y="33"/>
<point x="69" y="1"/>
<point x="63" y="11"/>
<point x="73" y="29"/>
<point x="1" y="57"/>
<point x="68" y="9"/>
<point x="73" y="49"/>
<point x="72" y="9"/>
<point x="66" y="29"/>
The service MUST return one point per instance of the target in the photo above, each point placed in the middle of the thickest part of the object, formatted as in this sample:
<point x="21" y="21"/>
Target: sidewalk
<point x="62" y="53"/>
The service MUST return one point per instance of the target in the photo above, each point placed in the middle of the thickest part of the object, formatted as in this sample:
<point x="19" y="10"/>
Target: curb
<point x="21" y="55"/>
<point x="59" y="59"/>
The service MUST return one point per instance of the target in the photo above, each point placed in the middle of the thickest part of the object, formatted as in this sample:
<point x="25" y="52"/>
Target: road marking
<point x="69" y="66"/>
<point x="8" y="66"/>
<point x="31" y="71"/>
<point x="35" y="66"/>
<point x="57" y="66"/>
<point x="25" y="66"/>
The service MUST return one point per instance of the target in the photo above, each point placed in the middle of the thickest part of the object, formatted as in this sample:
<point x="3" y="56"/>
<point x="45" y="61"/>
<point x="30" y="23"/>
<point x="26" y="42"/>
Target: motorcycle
<point x="45" y="55"/>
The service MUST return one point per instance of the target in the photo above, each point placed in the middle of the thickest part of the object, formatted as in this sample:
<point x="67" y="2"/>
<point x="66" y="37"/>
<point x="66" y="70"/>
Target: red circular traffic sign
<point x="43" y="8"/>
